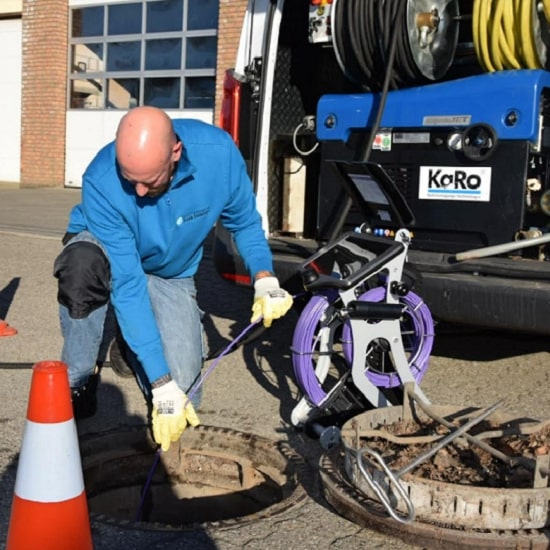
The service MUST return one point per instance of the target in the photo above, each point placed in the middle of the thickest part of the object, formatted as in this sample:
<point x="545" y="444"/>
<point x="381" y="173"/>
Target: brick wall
<point x="229" y="30"/>
<point x="44" y="83"/>
<point x="43" y="94"/>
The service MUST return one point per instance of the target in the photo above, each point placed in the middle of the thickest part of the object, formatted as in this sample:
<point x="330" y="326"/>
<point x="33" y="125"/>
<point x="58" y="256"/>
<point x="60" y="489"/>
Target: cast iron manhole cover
<point x="214" y="476"/>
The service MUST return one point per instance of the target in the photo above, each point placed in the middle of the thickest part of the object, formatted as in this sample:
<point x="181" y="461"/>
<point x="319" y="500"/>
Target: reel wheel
<point x="322" y="347"/>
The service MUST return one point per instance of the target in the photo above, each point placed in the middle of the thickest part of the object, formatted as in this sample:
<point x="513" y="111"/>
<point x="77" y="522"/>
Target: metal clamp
<point x="380" y="491"/>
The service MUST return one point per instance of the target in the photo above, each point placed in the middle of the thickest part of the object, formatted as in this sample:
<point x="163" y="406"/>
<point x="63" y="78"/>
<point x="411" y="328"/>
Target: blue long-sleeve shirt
<point x="164" y="236"/>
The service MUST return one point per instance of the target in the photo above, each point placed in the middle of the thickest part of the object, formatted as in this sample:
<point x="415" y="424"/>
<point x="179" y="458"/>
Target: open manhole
<point x="213" y="476"/>
<point x="456" y="515"/>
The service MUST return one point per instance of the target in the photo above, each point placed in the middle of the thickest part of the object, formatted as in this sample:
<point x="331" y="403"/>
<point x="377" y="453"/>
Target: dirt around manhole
<point x="463" y="462"/>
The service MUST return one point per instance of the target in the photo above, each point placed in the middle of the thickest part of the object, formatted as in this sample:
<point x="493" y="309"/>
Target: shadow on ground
<point x="7" y="295"/>
<point x="479" y="344"/>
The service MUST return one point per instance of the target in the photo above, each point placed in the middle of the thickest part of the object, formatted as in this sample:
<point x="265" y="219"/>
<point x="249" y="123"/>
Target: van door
<point x="260" y="172"/>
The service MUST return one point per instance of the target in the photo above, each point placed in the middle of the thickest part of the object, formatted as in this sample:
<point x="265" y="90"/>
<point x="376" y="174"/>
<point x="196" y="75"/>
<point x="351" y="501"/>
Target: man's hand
<point x="270" y="300"/>
<point x="170" y="414"/>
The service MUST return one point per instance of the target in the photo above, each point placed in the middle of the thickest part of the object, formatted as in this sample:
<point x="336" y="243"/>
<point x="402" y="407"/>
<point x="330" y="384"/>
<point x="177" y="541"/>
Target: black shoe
<point x="85" y="398"/>
<point x="119" y="353"/>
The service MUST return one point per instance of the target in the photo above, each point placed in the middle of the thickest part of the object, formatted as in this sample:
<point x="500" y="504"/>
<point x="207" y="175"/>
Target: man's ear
<point x="176" y="151"/>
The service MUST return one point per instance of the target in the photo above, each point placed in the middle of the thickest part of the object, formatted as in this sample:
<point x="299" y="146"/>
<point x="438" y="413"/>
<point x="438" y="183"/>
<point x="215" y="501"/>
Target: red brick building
<point x="82" y="64"/>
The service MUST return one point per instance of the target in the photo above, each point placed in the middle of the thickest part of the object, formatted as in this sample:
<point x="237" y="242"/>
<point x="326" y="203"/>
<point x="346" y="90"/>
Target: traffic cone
<point x="49" y="509"/>
<point x="6" y="330"/>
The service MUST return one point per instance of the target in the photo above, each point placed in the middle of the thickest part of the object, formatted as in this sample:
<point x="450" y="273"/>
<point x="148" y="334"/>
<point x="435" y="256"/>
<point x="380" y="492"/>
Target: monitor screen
<point x="375" y="194"/>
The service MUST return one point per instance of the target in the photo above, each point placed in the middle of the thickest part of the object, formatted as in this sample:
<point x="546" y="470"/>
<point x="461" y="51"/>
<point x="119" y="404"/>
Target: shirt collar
<point x="184" y="169"/>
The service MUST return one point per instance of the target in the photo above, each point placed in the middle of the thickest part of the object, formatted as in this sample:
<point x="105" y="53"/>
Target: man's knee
<point x="84" y="278"/>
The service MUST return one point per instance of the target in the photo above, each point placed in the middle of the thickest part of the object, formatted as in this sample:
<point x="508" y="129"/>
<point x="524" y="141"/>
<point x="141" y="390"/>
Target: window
<point x="144" y="52"/>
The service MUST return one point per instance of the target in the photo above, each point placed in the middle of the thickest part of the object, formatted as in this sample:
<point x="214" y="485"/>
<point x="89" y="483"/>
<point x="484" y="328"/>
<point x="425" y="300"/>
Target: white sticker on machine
<point x="457" y="183"/>
<point x="411" y="137"/>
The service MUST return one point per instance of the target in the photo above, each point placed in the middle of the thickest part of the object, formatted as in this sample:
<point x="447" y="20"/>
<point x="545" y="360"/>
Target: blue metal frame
<point x="488" y="98"/>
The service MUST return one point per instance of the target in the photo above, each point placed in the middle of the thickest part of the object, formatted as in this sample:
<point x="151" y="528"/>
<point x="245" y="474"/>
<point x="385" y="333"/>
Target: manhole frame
<point x="352" y="504"/>
<point x="137" y="438"/>
<point x="344" y="491"/>
<point x="464" y="506"/>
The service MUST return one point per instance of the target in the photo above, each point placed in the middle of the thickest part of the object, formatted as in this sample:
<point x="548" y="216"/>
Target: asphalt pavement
<point x="251" y="390"/>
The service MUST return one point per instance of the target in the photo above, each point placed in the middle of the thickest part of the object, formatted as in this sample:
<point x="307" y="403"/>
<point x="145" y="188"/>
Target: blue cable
<point x="190" y="394"/>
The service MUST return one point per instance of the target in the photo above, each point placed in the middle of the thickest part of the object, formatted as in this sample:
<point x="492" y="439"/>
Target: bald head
<point x="147" y="150"/>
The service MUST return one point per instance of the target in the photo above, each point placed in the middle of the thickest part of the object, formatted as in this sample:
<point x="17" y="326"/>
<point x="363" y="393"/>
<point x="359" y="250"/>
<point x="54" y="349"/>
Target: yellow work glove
<point x="270" y="300"/>
<point x="170" y="414"/>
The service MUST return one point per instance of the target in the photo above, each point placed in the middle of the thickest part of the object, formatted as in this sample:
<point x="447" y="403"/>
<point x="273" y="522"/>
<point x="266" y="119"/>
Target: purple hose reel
<point x="417" y="333"/>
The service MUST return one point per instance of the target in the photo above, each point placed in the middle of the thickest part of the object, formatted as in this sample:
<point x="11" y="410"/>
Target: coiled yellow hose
<point x="504" y="33"/>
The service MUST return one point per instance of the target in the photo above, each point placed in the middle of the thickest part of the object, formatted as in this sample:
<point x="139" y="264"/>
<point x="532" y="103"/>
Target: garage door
<point x="10" y="100"/>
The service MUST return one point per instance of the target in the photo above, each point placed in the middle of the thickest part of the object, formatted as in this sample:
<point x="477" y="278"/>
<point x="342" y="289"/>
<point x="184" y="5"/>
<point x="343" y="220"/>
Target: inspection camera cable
<point x="190" y="394"/>
<point x="301" y="348"/>
<point x="307" y="337"/>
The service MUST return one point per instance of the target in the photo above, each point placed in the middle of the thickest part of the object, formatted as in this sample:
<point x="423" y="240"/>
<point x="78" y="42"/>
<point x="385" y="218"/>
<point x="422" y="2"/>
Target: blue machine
<point x="508" y="101"/>
<point x="469" y="156"/>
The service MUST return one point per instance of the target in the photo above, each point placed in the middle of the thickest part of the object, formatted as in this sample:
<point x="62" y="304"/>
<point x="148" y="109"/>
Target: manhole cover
<point x="214" y="476"/>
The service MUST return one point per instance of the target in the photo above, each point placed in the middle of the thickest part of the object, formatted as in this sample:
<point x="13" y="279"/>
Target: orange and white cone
<point x="49" y="509"/>
<point x="6" y="330"/>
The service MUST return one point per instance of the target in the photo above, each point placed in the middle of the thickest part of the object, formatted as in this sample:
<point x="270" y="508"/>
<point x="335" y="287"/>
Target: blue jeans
<point x="179" y="320"/>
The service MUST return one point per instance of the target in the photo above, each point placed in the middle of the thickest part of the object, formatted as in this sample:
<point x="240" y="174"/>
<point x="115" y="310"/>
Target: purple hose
<point x="303" y="345"/>
<point x="190" y="394"/>
<point x="305" y="337"/>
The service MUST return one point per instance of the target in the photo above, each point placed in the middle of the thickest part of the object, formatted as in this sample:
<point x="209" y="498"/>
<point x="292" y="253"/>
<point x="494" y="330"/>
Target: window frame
<point x="142" y="74"/>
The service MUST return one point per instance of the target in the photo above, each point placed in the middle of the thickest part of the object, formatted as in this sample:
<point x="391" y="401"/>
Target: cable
<point x="317" y="325"/>
<point x="190" y="394"/>
<point x="209" y="370"/>
<point x="504" y="33"/>
<point x="147" y="484"/>
<point x="305" y="339"/>
<point x="295" y="143"/>
<point x="363" y="34"/>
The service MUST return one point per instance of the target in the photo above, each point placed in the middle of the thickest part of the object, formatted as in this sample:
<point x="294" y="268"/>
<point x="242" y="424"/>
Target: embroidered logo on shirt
<point x="193" y="216"/>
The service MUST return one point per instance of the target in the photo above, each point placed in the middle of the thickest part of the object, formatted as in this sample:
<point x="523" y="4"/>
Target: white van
<point x="455" y="131"/>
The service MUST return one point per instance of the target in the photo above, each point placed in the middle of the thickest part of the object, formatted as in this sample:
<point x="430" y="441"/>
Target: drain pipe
<point x="484" y="252"/>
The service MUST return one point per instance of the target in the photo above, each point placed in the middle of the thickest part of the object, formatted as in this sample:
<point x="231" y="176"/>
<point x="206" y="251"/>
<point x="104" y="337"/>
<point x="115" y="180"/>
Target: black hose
<point x="363" y="35"/>
<point x="365" y="146"/>
<point x="355" y="42"/>
<point x="343" y="33"/>
<point x="363" y="152"/>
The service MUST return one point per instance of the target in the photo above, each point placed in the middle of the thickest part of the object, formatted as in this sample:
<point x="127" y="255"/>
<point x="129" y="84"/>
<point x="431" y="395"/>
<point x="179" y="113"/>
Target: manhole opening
<point x="214" y="476"/>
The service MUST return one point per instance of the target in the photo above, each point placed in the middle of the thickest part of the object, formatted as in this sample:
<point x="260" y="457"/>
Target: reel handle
<point x="376" y="311"/>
